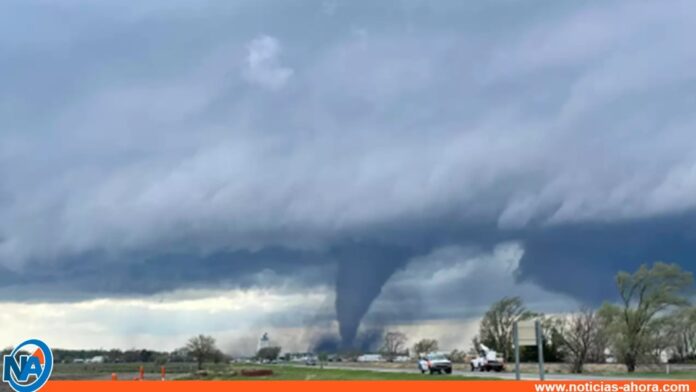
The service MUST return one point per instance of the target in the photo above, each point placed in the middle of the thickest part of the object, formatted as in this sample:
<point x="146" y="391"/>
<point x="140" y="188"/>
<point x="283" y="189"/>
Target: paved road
<point x="502" y="375"/>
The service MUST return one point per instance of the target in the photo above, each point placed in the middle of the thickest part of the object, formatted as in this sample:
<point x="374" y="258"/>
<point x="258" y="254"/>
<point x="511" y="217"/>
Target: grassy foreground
<point x="653" y="375"/>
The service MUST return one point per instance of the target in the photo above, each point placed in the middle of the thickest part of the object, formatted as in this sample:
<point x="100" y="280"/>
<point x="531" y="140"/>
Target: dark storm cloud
<point x="82" y="277"/>
<point x="582" y="259"/>
<point x="153" y="147"/>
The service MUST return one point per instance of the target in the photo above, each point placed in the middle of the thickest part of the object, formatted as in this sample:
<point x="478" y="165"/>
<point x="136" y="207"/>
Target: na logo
<point x="28" y="367"/>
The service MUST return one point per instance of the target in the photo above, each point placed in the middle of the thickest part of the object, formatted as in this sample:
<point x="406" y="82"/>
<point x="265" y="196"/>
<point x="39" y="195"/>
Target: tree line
<point x="652" y="319"/>
<point x="199" y="349"/>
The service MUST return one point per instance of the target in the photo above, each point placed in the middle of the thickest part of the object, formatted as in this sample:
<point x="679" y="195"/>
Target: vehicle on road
<point x="435" y="363"/>
<point x="488" y="360"/>
<point x="310" y="361"/>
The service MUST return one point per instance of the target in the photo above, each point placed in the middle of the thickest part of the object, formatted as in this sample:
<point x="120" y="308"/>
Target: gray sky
<point x="403" y="152"/>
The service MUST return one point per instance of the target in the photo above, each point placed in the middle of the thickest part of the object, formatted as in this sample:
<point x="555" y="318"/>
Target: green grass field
<point x="653" y="375"/>
<point x="108" y="368"/>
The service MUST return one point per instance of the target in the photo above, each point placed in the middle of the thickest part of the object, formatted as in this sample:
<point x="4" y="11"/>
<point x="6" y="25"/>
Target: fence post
<point x="540" y="348"/>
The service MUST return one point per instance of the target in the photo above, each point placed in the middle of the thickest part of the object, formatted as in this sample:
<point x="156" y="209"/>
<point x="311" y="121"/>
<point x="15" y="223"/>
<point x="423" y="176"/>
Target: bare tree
<point x="577" y="335"/>
<point x="645" y="295"/>
<point x="663" y="335"/>
<point x="202" y="348"/>
<point x="425" y="346"/>
<point x="687" y="340"/>
<point x="474" y="349"/>
<point x="394" y="343"/>
<point x="674" y="334"/>
<point x="599" y="344"/>
<point x="496" y="327"/>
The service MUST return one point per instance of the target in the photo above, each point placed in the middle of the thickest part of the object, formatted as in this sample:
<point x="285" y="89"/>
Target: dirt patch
<point x="257" y="372"/>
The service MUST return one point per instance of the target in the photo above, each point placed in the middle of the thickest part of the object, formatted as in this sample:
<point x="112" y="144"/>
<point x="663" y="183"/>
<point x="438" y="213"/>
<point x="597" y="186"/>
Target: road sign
<point x="527" y="333"/>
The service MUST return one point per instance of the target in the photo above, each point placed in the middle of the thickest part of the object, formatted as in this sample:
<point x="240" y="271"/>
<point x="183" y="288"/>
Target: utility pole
<point x="540" y="348"/>
<point x="516" y="334"/>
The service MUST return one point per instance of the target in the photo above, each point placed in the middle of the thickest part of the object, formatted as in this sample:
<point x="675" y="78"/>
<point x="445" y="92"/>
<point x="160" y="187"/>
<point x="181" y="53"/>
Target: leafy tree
<point x="268" y="353"/>
<point x="219" y="357"/>
<point x="323" y="358"/>
<point x="496" y="327"/>
<point x="394" y="343"/>
<point x="645" y="296"/>
<point x="202" y="348"/>
<point x="425" y="346"/>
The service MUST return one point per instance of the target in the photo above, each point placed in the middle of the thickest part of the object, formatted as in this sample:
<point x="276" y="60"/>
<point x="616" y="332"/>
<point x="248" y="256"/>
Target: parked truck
<point x="435" y="363"/>
<point x="487" y="360"/>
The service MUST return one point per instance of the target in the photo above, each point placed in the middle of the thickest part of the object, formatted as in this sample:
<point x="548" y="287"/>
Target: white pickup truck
<point x="435" y="363"/>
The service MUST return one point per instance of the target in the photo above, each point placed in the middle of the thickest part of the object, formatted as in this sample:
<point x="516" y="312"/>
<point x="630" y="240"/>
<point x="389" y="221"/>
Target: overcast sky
<point x="314" y="168"/>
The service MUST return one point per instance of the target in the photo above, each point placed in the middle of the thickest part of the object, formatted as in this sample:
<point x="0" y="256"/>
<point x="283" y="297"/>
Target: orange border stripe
<point x="330" y="386"/>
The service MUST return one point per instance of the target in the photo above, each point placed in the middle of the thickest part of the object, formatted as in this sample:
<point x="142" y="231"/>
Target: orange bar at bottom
<point x="377" y="386"/>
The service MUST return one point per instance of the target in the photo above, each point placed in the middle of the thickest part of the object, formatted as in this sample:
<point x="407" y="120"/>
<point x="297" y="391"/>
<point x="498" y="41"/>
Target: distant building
<point x="97" y="359"/>
<point x="370" y="358"/>
<point x="296" y="357"/>
<point x="264" y="341"/>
